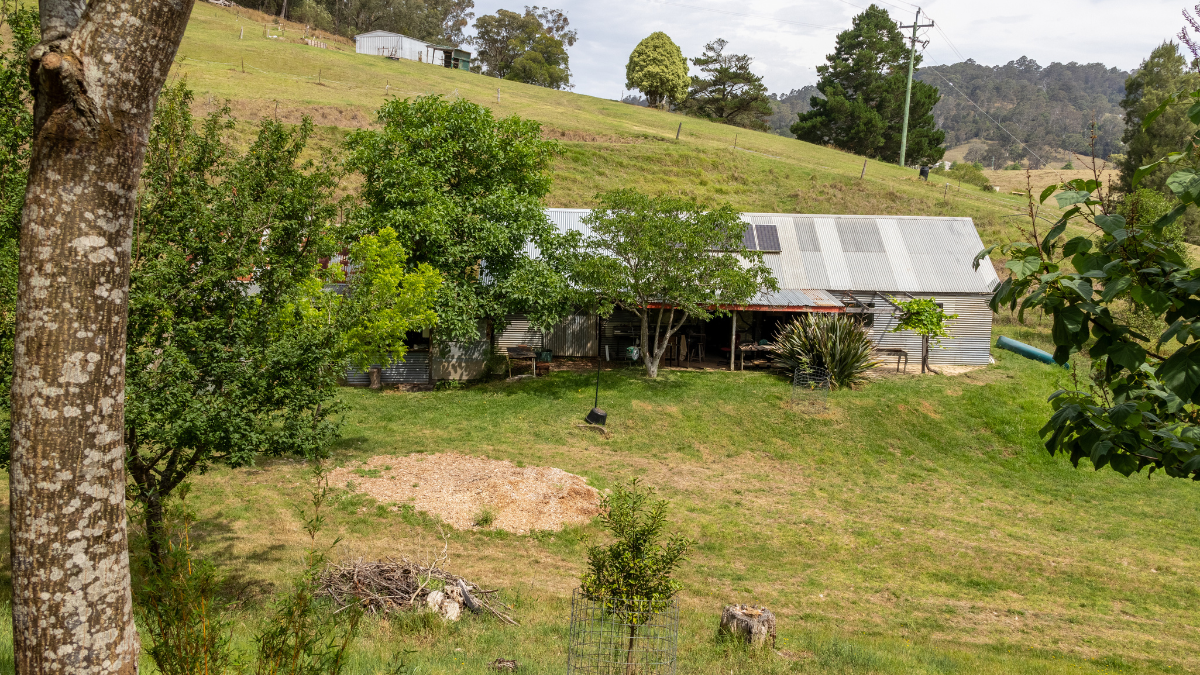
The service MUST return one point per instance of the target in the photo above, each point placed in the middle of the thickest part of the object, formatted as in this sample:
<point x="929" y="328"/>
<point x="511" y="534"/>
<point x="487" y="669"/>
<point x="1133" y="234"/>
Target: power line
<point x="749" y="16"/>
<point x="984" y="112"/>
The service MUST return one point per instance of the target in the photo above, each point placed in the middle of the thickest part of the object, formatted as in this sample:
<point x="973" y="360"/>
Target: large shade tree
<point x="863" y="83"/>
<point x="463" y="191"/>
<point x="529" y="47"/>
<point x="96" y="73"/>
<point x="667" y="260"/>
<point x="657" y="69"/>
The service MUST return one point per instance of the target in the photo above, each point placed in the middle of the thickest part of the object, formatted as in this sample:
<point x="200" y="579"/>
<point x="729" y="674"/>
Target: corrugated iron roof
<point x="890" y="254"/>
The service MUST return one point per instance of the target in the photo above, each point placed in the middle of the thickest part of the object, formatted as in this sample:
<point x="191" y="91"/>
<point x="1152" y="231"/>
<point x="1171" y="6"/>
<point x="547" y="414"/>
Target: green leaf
<point x="1053" y="234"/>
<point x="1168" y="219"/>
<point x="1110" y="224"/>
<point x="1023" y="267"/>
<point x="981" y="255"/>
<point x="1081" y="286"/>
<point x="1193" y="113"/>
<point x="1066" y="199"/>
<point x="1153" y="115"/>
<point x="1128" y="355"/>
<point x="1182" y="180"/>
<point x="1075" y="246"/>
<point x="1180" y="373"/>
<point x="1114" y="287"/>
<point x="1047" y="192"/>
<point x="1143" y="171"/>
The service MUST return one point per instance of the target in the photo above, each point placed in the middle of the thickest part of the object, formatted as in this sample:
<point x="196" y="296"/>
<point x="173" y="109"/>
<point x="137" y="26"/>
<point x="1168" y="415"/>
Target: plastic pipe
<point x="1028" y="352"/>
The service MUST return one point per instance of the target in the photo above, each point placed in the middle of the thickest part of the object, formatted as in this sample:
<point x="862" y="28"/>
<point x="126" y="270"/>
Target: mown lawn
<point x="914" y="526"/>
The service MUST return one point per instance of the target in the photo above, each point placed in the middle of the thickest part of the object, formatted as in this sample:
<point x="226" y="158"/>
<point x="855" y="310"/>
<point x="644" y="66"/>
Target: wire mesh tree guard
<point x="619" y="637"/>
<point x="810" y="388"/>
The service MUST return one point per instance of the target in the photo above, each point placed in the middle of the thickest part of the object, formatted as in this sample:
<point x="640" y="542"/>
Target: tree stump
<point x="753" y="625"/>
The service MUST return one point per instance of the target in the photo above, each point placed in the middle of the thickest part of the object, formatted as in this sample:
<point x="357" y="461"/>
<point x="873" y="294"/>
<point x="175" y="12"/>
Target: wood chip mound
<point x="464" y="491"/>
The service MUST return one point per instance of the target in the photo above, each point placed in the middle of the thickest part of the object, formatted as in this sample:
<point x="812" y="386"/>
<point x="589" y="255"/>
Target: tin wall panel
<point x="413" y="370"/>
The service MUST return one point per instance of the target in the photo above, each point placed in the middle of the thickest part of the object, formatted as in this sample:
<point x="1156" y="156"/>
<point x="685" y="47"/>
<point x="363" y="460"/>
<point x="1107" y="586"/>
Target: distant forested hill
<point x="788" y="106"/>
<point x="1049" y="109"/>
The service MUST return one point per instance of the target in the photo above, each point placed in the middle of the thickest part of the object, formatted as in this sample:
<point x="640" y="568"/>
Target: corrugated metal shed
<point x="393" y="45"/>
<point x="891" y="254"/>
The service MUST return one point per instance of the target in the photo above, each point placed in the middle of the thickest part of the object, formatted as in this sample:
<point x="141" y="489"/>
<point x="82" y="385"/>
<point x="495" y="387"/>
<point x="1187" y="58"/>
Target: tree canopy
<point x="1136" y="408"/>
<point x="666" y="259"/>
<point x="440" y="21"/>
<point x="1050" y="108"/>
<point x="463" y="191"/>
<point x="657" y="69"/>
<point x="1161" y="75"/>
<point x="529" y="47"/>
<point x="234" y="345"/>
<point x="728" y="91"/>
<point x="863" y="83"/>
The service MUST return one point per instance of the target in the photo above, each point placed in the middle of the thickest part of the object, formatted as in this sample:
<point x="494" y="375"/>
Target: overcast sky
<point x="788" y="39"/>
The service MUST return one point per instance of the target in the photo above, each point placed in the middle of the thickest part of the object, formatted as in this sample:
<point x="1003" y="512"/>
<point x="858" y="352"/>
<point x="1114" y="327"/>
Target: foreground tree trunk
<point x="96" y="74"/>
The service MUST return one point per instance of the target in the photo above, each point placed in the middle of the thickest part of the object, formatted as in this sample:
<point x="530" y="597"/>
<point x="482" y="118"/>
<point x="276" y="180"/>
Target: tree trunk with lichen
<point x="97" y="73"/>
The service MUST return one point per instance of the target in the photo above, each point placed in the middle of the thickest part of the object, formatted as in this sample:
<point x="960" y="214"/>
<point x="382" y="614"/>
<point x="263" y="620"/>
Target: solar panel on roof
<point x="768" y="238"/>
<point x="748" y="238"/>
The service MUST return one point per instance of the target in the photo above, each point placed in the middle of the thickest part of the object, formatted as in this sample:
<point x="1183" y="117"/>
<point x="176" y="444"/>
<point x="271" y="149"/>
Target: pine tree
<point x="1159" y="76"/>
<point x="731" y="93"/>
<point x="863" y="84"/>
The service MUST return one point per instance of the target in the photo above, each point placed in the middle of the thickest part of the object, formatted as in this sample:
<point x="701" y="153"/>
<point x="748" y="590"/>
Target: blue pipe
<point x="1027" y="351"/>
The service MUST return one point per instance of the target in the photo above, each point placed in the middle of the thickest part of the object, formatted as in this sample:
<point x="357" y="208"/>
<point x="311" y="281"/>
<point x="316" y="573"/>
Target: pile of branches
<point x="387" y="586"/>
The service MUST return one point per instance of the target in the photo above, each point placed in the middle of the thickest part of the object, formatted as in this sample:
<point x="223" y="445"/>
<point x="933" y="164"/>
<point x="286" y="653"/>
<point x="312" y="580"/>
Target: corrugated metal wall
<point x="518" y="332"/>
<point x="461" y="360"/>
<point x="574" y="336"/>
<point x="972" y="330"/>
<point x="385" y="44"/>
<point x="413" y="370"/>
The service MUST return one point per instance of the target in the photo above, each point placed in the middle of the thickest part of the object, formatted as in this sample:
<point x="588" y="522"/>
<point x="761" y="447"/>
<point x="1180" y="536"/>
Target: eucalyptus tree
<point x="96" y="73"/>
<point x="667" y="260"/>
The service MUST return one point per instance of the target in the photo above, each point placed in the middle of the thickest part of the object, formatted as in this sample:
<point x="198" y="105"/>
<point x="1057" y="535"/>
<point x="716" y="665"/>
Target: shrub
<point x="835" y="342"/>
<point x="635" y="570"/>
<point x="969" y="173"/>
<point x="302" y="636"/>
<point x="178" y="605"/>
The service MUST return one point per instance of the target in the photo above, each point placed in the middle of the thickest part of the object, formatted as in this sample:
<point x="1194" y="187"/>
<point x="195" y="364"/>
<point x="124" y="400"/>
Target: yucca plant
<point x="835" y="342"/>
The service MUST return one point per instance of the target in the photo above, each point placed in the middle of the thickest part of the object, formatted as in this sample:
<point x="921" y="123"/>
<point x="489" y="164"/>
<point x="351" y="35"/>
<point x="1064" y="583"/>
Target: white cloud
<point x="786" y="54"/>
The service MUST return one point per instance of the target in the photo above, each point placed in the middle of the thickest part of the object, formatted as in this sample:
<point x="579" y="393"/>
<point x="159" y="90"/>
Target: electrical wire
<point x="750" y="16"/>
<point x="984" y="113"/>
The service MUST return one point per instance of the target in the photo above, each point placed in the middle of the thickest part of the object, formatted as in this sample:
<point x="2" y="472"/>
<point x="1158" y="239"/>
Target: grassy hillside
<point x="606" y="144"/>
<point x="914" y="526"/>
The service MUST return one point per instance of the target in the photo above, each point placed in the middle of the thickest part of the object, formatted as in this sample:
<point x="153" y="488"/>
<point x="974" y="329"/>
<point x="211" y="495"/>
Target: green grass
<point x="606" y="144"/>
<point x="914" y="526"/>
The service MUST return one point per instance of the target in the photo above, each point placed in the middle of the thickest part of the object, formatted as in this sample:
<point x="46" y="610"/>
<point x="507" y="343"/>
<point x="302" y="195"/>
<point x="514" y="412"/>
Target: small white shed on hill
<point x="393" y="45"/>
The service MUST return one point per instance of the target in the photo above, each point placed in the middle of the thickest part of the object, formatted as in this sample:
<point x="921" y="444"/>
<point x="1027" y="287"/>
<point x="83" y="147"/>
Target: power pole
<point x="912" y="59"/>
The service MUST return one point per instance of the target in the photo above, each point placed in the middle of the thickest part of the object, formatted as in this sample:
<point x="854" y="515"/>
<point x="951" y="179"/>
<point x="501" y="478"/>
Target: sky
<point x="788" y="39"/>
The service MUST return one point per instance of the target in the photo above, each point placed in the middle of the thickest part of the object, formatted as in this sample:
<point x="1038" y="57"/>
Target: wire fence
<point x="810" y="389"/>
<point x="614" y="637"/>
